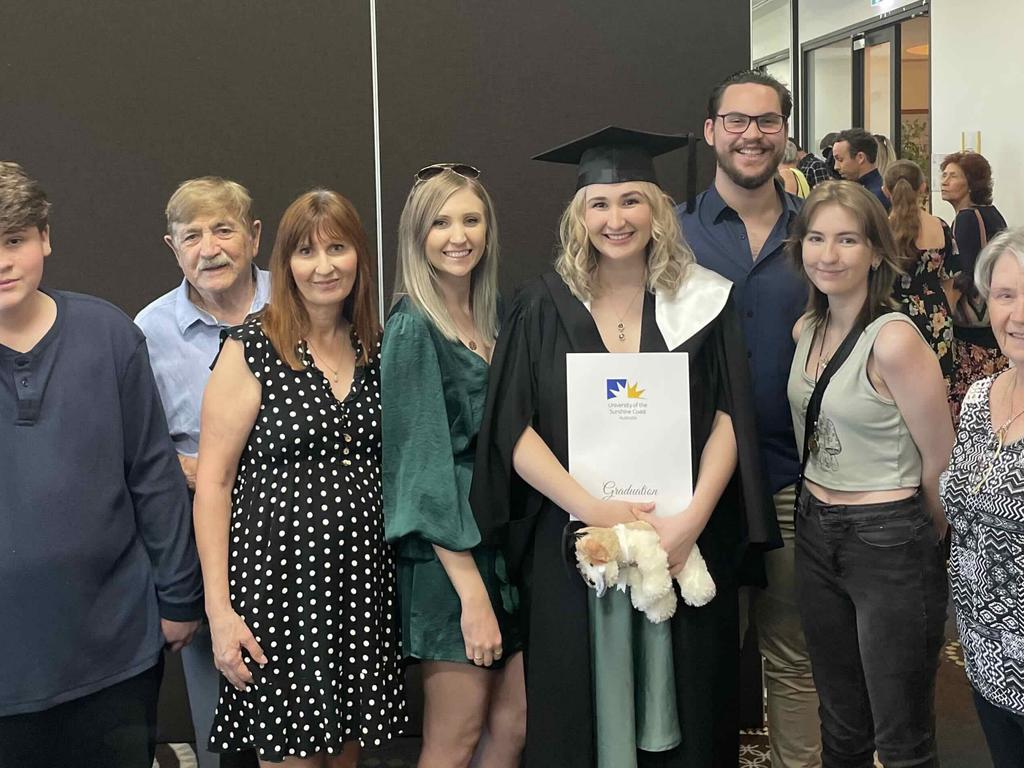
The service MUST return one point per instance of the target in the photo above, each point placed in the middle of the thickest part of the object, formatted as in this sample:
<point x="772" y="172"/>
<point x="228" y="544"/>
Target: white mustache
<point x="220" y="261"/>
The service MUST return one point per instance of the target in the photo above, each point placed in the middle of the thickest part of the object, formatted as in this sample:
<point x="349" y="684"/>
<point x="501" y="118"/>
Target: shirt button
<point x="749" y="355"/>
<point x="346" y="462"/>
<point x="22" y="362"/>
<point x="750" y="313"/>
<point x="743" y="237"/>
<point x="348" y="438"/>
<point x="24" y="382"/>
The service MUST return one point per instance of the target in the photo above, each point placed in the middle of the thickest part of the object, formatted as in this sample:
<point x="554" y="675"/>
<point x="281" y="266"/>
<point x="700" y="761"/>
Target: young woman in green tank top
<point x="871" y="583"/>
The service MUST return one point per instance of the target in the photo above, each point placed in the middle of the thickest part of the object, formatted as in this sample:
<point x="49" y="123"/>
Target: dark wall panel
<point x="112" y="103"/>
<point x="492" y="84"/>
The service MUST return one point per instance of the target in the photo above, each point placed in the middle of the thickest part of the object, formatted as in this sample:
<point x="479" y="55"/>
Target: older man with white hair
<point x="214" y="238"/>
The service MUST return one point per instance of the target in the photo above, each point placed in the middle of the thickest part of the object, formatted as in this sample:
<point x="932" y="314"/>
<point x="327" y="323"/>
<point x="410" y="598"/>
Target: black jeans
<point x="1004" y="732"/>
<point x="112" y="728"/>
<point x="871" y="588"/>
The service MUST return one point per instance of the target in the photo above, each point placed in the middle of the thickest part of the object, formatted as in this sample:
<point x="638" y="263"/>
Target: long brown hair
<point x="874" y="226"/>
<point x="904" y="179"/>
<point x="327" y="214"/>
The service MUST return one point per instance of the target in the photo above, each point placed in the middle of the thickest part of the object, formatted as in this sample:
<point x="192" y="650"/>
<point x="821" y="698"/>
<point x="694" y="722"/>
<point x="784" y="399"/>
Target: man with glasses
<point x="214" y="238"/>
<point x="738" y="227"/>
<point x="855" y="153"/>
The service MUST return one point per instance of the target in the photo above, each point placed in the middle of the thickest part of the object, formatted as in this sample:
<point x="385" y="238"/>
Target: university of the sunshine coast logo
<point x="625" y="400"/>
<point x="621" y="389"/>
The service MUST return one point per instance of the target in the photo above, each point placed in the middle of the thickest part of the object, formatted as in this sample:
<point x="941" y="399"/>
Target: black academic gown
<point x="528" y="387"/>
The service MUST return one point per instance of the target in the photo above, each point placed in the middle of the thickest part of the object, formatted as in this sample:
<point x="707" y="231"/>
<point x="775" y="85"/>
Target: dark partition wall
<point x="493" y="84"/>
<point x="112" y="103"/>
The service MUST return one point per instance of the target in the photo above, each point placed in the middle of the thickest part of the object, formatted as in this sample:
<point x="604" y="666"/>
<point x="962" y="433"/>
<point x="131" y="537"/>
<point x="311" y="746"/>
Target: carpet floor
<point x="961" y="743"/>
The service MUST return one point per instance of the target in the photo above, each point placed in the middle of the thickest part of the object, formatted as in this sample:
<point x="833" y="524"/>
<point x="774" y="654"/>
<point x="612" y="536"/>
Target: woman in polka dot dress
<point x="300" y="584"/>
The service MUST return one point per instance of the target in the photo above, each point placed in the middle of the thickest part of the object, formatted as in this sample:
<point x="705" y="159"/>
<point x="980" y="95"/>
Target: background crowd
<point x="369" y="497"/>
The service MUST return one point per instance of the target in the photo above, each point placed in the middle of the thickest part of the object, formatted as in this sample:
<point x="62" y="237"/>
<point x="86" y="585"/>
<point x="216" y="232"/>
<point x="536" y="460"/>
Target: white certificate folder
<point x="629" y="427"/>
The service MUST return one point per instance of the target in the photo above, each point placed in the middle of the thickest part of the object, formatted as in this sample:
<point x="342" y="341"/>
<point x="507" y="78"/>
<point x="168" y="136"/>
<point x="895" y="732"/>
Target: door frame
<point x="853" y="33"/>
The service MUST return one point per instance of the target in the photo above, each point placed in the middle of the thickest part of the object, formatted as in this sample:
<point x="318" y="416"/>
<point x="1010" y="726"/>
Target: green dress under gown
<point x="432" y="398"/>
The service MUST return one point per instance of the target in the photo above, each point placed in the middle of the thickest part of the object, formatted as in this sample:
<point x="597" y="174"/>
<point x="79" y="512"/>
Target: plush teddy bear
<point x="629" y="555"/>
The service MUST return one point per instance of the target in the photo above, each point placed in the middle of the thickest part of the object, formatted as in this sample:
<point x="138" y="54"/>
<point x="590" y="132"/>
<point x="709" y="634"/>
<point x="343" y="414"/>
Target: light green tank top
<point x="863" y="442"/>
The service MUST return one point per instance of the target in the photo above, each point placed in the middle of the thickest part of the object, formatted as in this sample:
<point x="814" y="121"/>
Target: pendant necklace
<point x="622" y="326"/>
<point x="469" y="339"/>
<point x="334" y="371"/>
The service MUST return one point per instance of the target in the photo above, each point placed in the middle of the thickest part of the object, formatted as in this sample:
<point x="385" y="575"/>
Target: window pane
<point x="915" y="126"/>
<point x="878" y="88"/>
<point x="829" y="90"/>
<point x="769" y="28"/>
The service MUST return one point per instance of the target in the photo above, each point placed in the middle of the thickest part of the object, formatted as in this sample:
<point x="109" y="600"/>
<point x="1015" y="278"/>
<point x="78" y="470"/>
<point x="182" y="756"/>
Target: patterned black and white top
<point x="983" y="494"/>
<point x="308" y="567"/>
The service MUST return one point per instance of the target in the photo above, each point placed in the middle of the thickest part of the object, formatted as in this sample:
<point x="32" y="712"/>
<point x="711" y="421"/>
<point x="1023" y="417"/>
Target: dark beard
<point x="748" y="182"/>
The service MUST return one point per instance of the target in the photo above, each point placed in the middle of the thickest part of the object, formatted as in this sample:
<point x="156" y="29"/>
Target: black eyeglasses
<point x="430" y="171"/>
<point x="737" y="122"/>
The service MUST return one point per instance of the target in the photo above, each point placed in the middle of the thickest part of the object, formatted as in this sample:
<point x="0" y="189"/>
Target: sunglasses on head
<point x="430" y="171"/>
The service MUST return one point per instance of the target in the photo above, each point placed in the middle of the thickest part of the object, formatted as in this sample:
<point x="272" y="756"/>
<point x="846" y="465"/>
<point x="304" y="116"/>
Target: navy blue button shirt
<point x="770" y="296"/>
<point x="96" y="538"/>
<point x="872" y="180"/>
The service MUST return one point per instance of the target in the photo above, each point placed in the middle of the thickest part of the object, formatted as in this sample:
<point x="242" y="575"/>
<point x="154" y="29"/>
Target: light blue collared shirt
<point x="183" y="341"/>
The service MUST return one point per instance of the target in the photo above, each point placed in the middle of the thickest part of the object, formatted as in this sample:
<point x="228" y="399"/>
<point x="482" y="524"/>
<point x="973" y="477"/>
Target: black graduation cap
<point x="612" y="155"/>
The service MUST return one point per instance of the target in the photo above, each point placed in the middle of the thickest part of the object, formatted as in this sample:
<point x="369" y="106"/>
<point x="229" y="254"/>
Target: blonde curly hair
<point x="668" y="254"/>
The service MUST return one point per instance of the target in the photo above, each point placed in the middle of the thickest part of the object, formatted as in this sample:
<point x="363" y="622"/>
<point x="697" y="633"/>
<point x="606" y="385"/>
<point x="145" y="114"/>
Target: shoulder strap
<point x="981" y="228"/>
<point x="814" y="404"/>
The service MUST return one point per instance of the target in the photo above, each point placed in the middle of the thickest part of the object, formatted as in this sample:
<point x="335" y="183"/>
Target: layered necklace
<point x="986" y="468"/>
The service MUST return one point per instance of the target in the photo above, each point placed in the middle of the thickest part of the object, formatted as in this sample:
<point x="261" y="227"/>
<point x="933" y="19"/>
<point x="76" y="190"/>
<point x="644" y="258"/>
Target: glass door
<point x="877" y="83"/>
<point x="828" y="73"/>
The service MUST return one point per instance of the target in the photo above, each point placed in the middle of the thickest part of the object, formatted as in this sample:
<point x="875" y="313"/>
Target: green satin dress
<point x="432" y="398"/>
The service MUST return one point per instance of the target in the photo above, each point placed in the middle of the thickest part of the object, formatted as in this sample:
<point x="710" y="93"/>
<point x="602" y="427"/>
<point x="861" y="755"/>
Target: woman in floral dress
<point x="929" y="259"/>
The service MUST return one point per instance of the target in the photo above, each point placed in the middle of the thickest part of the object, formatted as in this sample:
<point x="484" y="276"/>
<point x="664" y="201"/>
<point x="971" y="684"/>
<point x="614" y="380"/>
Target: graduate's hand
<point x="480" y="630"/>
<point x="609" y="512"/>
<point x="678" y="534"/>
<point x="230" y="635"/>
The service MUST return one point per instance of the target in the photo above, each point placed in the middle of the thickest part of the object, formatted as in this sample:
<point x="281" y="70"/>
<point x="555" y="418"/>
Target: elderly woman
<point x="967" y="186"/>
<point x="983" y="492"/>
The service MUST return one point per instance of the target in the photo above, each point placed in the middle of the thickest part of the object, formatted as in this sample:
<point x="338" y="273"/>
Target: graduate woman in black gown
<point x="625" y="281"/>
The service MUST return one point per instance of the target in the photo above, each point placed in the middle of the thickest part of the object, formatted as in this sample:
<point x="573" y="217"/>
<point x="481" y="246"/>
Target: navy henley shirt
<point x="95" y="530"/>
<point x="770" y="296"/>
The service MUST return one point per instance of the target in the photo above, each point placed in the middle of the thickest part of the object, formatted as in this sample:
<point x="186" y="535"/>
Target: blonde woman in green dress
<point x="457" y="606"/>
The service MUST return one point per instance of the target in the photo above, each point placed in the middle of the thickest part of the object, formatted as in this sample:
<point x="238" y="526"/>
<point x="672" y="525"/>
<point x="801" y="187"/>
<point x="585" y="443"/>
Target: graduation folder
<point x="629" y="427"/>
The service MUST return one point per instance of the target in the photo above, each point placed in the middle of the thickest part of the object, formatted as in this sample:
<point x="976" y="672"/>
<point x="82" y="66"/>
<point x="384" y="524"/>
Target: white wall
<point x="822" y="17"/>
<point x="770" y="28"/>
<point x="977" y="69"/>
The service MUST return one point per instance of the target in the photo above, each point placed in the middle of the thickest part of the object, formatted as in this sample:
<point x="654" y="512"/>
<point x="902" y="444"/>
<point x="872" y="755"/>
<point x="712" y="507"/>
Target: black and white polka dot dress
<point x="309" y="570"/>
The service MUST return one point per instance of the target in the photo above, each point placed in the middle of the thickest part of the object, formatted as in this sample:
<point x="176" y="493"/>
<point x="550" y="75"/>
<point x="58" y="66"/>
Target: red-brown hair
<point x="325" y="214"/>
<point x="978" y="173"/>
